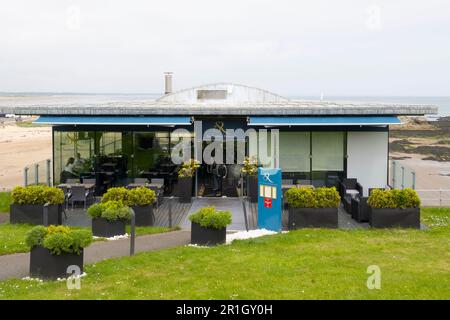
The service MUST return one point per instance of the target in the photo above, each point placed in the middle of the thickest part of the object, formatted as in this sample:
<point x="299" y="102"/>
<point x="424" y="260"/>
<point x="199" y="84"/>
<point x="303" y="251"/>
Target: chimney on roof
<point x="167" y="82"/>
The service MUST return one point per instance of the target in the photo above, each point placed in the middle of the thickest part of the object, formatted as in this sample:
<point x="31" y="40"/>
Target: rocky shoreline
<point x="418" y="136"/>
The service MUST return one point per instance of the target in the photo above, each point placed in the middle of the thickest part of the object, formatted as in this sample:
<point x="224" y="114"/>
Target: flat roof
<point x="293" y="107"/>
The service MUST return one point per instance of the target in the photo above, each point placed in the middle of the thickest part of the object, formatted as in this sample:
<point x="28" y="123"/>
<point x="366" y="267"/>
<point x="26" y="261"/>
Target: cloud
<point x="291" y="47"/>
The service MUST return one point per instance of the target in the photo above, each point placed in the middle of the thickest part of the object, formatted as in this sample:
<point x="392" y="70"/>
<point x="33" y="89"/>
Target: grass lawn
<point x="12" y="236"/>
<point x="304" y="264"/>
<point x="5" y="200"/>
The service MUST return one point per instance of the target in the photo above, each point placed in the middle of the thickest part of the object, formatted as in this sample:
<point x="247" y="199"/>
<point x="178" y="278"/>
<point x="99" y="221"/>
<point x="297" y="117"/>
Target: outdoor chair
<point x="67" y="196"/>
<point x="79" y="194"/>
<point x="350" y="184"/>
<point x="72" y="181"/>
<point x="347" y="202"/>
<point x="360" y="209"/>
<point x="159" y="191"/>
<point x="90" y="181"/>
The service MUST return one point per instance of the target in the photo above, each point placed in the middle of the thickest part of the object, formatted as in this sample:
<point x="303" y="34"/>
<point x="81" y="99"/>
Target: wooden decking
<point x="79" y="217"/>
<point x="178" y="210"/>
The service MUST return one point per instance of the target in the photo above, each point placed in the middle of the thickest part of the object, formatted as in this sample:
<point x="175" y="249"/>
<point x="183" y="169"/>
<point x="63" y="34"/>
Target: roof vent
<point x="167" y="82"/>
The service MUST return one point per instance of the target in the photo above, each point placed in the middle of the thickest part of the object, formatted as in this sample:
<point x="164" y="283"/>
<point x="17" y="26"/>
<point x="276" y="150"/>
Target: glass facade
<point x="306" y="157"/>
<point x="114" y="158"/>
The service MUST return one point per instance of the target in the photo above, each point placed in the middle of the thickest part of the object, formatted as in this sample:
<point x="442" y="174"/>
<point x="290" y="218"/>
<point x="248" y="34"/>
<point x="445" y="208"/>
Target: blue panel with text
<point x="269" y="199"/>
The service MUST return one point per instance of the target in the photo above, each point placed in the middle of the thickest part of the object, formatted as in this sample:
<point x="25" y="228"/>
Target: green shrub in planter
<point x="209" y="226"/>
<point x="309" y="207"/>
<point x="59" y="239"/>
<point x="109" y="218"/>
<point x="110" y="210"/>
<point x="394" y="208"/>
<point x="54" y="249"/>
<point x="116" y="194"/>
<point x="27" y="204"/>
<point x="209" y="217"/>
<point x="188" y="168"/>
<point x="307" y="197"/>
<point x="141" y="196"/>
<point x="381" y="199"/>
<point x="37" y="195"/>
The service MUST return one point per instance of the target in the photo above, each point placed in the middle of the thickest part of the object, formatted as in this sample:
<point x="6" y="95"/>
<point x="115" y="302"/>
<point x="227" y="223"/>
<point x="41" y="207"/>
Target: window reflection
<point x="114" y="158"/>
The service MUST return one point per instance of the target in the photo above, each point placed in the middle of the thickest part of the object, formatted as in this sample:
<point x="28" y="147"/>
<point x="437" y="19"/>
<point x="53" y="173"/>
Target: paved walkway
<point x="17" y="265"/>
<point x="234" y="205"/>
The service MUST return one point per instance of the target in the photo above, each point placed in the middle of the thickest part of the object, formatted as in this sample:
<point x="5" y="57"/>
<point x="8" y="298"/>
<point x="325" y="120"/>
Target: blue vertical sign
<point x="269" y="199"/>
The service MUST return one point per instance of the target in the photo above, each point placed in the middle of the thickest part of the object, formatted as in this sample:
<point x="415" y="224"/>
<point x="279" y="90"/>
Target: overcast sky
<point x="346" y="47"/>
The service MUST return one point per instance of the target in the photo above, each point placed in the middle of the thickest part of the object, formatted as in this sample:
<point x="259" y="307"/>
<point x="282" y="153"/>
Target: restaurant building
<point x="314" y="142"/>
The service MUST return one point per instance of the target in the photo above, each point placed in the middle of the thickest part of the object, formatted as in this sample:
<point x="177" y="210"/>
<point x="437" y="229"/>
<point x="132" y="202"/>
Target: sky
<point x="291" y="47"/>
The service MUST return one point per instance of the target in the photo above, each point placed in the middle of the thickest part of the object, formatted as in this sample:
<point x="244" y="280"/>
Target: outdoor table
<point x="70" y="185"/>
<point x="153" y="185"/>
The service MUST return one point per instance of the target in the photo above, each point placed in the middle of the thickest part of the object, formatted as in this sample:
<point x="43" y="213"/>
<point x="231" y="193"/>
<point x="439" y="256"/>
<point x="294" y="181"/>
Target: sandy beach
<point x="20" y="147"/>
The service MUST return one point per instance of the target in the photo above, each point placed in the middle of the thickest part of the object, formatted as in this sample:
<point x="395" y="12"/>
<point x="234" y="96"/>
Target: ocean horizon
<point x="443" y="102"/>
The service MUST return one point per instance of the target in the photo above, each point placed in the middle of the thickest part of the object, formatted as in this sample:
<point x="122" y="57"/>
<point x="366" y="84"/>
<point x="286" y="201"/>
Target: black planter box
<point x="107" y="229"/>
<point x="45" y="265"/>
<point x="312" y="218"/>
<point x="395" y="218"/>
<point x="144" y="215"/>
<point x="207" y="236"/>
<point x="34" y="214"/>
<point x="252" y="188"/>
<point x="184" y="189"/>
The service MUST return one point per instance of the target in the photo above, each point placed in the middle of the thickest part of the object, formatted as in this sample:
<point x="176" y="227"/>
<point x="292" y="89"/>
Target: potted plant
<point x="27" y="204"/>
<point x="394" y="208"/>
<point x="250" y="170"/>
<point x="312" y="207"/>
<point x="209" y="226"/>
<point x="185" y="175"/>
<point x="109" y="218"/>
<point x="54" y="249"/>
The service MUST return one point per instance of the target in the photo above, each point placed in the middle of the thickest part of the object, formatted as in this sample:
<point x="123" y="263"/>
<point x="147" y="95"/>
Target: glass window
<point x="73" y="155"/>
<point x="328" y="151"/>
<point x="294" y="151"/>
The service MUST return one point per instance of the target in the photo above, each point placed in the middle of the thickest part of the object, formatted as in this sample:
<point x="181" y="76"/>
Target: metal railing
<point x="434" y="198"/>
<point x="401" y="176"/>
<point x="38" y="173"/>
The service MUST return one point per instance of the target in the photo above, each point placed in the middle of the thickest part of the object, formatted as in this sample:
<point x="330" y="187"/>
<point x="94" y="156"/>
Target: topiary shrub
<point x="407" y="198"/>
<point x="141" y="196"/>
<point x="209" y="217"/>
<point x="307" y="197"/>
<point x="110" y="210"/>
<point x="96" y="210"/>
<point x="116" y="194"/>
<point x="37" y="195"/>
<point x="59" y="239"/>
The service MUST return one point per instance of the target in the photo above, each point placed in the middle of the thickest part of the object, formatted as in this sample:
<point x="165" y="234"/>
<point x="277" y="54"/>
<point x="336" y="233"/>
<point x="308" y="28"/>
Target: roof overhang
<point x="113" y="120"/>
<point x="323" y="121"/>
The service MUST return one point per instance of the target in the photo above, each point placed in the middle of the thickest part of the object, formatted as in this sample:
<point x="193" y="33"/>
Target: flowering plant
<point x="188" y="168"/>
<point x="250" y="167"/>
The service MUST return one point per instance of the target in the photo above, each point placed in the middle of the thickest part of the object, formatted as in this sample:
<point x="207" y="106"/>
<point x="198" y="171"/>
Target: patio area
<point x="181" y="211"/>
<point x="79" y="218"/>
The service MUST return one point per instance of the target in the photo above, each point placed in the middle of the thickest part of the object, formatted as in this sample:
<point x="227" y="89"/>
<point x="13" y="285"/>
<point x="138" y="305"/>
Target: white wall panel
<point x="367" y="158"/>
